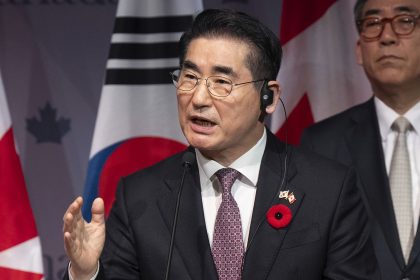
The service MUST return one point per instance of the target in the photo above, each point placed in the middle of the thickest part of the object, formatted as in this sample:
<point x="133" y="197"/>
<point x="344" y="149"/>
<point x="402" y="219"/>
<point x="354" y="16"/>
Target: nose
<point x="388" y="36"/>
<point x="201" y="96"/>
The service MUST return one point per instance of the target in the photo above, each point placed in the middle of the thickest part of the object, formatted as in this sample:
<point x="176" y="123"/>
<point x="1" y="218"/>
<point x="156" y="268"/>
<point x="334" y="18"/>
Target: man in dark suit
<point x="288" y="215"/>
<point x="364" y="136"/>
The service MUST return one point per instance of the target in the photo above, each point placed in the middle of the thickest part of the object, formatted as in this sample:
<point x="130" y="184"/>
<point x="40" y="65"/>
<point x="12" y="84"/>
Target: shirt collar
<point x="387" y="116"/>
<point x="413" y="115"/>
<point x="248" y="164"/>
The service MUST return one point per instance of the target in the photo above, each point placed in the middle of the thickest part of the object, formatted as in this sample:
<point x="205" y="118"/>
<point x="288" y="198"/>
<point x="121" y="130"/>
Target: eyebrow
<point x="407" y="9"/>
<point x="217" y="69"/>
<point x="189" y="65"/>
<point x="404" y="9"/>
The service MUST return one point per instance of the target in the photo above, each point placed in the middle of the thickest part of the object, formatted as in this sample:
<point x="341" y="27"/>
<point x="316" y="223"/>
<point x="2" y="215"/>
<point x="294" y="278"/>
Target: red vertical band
<point x="300" y="118"/>
<point x="16" y="216"/>
<point x="297" y="15"/>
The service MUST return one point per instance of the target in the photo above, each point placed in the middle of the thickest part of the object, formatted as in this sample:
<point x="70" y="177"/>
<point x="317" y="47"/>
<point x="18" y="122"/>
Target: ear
<point x="274" y="86"/>
<point x="359" y="57"/>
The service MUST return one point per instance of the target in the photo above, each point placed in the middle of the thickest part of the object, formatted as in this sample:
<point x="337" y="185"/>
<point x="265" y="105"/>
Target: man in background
<point x="380" y="138"/>
<point x="251" y="208"/>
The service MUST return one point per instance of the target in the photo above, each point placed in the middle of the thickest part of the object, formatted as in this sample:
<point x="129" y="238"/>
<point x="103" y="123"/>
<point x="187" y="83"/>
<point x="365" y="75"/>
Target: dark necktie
<point x="228" y="246"/>
<point x="400" y="183"/>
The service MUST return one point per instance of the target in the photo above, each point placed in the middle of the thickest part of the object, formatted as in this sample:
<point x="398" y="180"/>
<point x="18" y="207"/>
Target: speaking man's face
<point x="220" y="127"/>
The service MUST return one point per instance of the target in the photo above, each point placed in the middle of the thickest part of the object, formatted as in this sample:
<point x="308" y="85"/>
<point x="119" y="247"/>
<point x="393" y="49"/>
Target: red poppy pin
<point x="279" y="216"/>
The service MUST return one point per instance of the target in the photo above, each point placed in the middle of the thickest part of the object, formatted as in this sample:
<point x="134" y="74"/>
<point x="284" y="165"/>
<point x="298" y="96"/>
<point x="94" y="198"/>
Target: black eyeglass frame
<point x="174" y="81"/>
<point x="383" y="21"/>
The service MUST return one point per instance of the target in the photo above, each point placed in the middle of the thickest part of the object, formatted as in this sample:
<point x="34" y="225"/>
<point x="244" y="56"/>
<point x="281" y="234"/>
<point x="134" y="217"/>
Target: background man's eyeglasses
<point x="217" y="86"/>
<point x="372" y="27"/>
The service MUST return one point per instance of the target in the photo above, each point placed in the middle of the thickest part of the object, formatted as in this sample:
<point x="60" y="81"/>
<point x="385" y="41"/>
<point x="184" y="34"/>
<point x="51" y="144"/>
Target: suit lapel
<point x="364" y="142"/>
<point x="415" y="251"/>
<point x="262" y="236"/>
<point x="191" y="242"/>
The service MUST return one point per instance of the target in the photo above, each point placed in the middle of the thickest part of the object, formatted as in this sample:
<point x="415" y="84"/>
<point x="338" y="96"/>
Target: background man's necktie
<point x="228" y="247"/>
<point x="401" y="189"/>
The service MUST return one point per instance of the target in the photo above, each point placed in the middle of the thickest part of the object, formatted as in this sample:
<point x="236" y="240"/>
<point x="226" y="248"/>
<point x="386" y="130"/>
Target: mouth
<point x="202" y="122"/>
<point x="388" y="57"/>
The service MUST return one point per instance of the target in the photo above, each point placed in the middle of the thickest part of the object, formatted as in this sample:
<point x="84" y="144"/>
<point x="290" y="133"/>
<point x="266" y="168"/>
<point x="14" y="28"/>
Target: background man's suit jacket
<point x="326" y="239"/>
<point x="353" y="138"/>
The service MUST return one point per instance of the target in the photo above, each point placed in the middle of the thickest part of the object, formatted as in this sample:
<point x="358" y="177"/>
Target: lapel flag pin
<point x="284" y="194"/>
<point x="291" y="198"/>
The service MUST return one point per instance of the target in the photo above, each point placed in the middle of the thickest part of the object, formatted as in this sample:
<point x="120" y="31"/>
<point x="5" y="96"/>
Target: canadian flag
<point x="20" y="247"/>
<point x="137" y="123"/>
<point x="319" y="75"/>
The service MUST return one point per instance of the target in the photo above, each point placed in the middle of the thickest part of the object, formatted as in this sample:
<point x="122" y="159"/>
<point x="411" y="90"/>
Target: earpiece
<point x="267" y="96"/>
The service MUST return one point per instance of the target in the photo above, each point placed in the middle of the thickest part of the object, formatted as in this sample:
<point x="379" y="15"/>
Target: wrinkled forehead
<point x="390" y="7"/>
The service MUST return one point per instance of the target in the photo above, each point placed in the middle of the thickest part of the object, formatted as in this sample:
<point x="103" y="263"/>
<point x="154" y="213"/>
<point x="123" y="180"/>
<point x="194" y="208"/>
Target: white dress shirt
<point x="243" y="189"/>
<point x="92" y="278"/>
<point x="386" y="117"/>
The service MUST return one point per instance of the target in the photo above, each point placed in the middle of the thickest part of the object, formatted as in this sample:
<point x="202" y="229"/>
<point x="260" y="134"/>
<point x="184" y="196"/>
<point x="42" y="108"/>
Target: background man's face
<point x="391" y="60"/>
<point x="226" y="126"/>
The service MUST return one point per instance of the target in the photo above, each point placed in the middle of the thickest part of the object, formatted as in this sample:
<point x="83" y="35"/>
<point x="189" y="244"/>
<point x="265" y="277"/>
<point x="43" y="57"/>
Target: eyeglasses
<point x="372" y="27"/>
<point x="218" y="86"/>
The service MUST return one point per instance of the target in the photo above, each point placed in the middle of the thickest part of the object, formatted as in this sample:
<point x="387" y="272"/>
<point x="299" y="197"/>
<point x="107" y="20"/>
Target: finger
<point x="77" y="212"/>
<point x="98" y="210"/>
<point x="68" y="222"/>
<point x="72" y="215"/>
<point x="68" y="241"/>
<point x="69" y="245"/>
<point x="75" y="206"/>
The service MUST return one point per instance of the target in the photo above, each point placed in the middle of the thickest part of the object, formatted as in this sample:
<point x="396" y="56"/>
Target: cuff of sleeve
<point x="92" y="278"/>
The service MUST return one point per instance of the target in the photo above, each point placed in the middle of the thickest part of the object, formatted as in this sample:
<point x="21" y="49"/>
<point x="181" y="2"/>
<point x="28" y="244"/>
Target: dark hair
<point x="265" y="56"/>
<point x="358" y="11"/>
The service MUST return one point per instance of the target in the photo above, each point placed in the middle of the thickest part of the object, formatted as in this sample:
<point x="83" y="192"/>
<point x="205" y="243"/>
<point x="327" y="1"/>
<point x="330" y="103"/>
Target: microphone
<point x="188" y="160"/>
